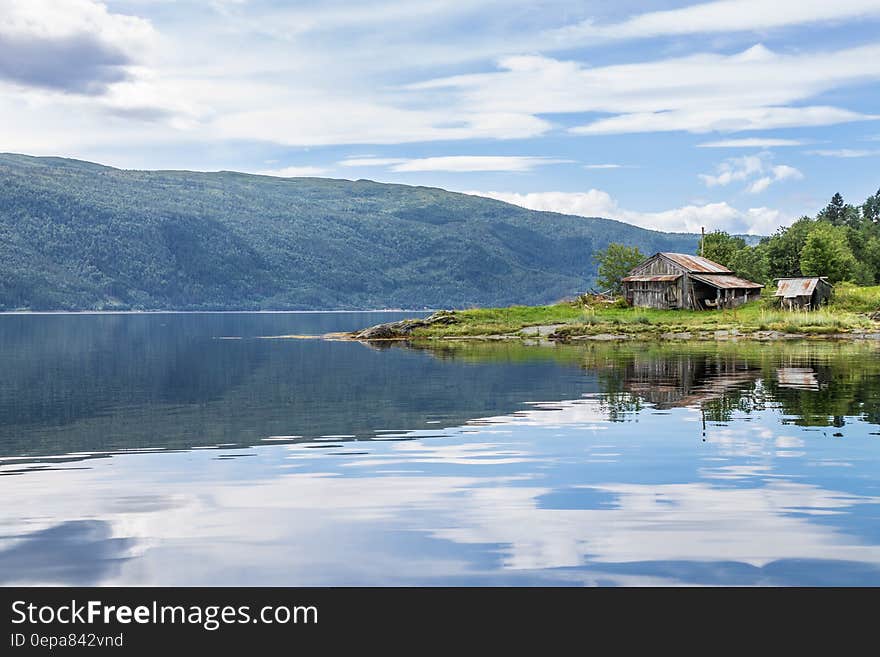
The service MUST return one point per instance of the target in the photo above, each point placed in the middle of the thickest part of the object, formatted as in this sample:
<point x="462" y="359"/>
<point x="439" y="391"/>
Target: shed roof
<point x="726" y="282"/>
<point x="652" y="279"/>
<point x="790" y="288"/>
<point x="694" y="263"/>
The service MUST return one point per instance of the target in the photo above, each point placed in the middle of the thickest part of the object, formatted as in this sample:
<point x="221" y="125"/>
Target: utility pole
<point x="702" y="240"/>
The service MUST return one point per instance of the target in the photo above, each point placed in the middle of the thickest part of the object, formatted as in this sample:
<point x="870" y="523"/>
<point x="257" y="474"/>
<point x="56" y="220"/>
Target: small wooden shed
<point x="679" y="280"/>
<point x="803" y="293"/>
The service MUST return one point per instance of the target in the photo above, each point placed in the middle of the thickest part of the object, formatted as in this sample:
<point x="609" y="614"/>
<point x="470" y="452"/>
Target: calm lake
<point x="203" y="449"/>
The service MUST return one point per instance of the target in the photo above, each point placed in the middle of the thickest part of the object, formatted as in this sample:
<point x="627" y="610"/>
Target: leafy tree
<point x="751" y="263"/>
<point x="871" y="258"/>
<point x="862" y="273"/>
<point x="721" y="247"/>
<point x="733" y="252"/>
<point x="615" y="262"/>
<point x="783" y="249"/>
<point x="826" y="252"/>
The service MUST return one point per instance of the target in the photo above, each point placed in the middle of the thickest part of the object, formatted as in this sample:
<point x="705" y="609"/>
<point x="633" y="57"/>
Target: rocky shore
<point x="565" y="333"/>
<point x="402" y="330"/>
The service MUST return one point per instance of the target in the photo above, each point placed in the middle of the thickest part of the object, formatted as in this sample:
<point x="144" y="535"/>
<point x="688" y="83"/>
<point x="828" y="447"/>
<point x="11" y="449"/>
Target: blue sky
<point x="734" y="114"/>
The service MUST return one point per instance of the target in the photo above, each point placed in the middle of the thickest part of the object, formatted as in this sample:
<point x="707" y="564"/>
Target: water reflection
<point x="332" y="463"/>
<point x="75" y="553"/>
<point x="814" y="384"/>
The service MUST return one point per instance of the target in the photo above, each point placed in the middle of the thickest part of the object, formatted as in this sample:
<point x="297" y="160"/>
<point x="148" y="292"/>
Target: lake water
<point x="200" y="449"/>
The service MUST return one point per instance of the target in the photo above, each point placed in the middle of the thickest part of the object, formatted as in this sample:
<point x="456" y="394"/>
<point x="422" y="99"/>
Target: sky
<point x="737" y="115"/>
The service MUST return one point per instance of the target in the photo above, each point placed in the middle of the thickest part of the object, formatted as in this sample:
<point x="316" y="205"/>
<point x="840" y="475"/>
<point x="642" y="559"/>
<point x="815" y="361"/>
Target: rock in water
<point x="390" y="331"/>
<point x="403" y="329"/>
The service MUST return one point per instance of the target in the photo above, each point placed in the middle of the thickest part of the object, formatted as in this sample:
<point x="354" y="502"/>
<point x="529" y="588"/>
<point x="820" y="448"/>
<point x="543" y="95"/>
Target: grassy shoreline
<point x="852" y="313"/>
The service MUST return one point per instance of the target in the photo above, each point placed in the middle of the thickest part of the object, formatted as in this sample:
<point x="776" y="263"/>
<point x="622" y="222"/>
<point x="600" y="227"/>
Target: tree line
<point x="841" y="242"/>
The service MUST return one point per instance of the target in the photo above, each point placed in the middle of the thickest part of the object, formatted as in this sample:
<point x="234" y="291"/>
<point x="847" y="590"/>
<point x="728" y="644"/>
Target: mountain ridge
<point x="77" y="235"/>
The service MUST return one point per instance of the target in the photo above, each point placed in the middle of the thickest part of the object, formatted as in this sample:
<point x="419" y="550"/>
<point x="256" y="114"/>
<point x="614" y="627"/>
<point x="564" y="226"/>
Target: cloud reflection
<point x="76" y="553"/>
<point x="556" y="492"/>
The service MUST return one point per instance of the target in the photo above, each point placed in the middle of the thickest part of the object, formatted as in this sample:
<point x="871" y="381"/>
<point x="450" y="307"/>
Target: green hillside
<point x="76" y="235"/>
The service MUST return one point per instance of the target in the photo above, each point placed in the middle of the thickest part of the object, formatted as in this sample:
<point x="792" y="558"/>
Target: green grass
<point x="856" y="299"/>
<point x="848" y="312"/>
<point x="499" y="321"/>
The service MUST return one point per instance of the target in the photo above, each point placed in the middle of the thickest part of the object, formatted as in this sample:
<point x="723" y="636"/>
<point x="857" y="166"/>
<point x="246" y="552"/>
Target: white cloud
<point x="845" y="153"/>
<point x="714" y="216"/>
<point x="371" y="161"/>
<point x="688" y="218"/>
<point x="286" y="22"/>
<point x="722" y="120"/>
<point x="49" y="19"/>
<point x="203" y="95"/>
<point x="320" y="121"/>
<point x="751" y="142"/>
<point x="760" y="185"/>
<point x="456" y="163"/>
<point x="734" y="169"/>
<point x="698" y="93"/>
<point x="76" y="46"/>
<point x="294" y="172"/>
<point x="720" y="16"/>
<point x="750" y="167"/>
<point x="785" y="172"/>
<point x="592" y="203"/>
<point x="343" y="86"/>
<point x="463" y="163"/>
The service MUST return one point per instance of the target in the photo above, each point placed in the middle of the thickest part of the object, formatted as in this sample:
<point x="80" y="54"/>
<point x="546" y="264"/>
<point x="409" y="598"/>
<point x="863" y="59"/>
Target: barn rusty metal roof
<point x="694" y="263"/>
<point x="726" y="282"/>
<point x="652" y="279"/>
<point x="790" y="288"/>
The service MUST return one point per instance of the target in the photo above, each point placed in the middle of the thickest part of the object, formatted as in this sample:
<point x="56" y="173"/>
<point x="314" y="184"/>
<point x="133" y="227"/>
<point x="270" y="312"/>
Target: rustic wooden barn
<point x="804" y="293"/>
<point x="678" y="280"/>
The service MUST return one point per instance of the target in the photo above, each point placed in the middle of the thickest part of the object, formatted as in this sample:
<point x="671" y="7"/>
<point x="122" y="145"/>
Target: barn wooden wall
<point x="659" y="294"/>
<point x="656" y="294"/>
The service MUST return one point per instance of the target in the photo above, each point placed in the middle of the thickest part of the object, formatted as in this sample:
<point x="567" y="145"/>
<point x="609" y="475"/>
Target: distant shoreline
<point x="669" y="337"/>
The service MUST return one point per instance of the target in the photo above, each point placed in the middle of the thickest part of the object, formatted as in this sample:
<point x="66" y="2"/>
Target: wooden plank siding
<point x="658" y="294"/>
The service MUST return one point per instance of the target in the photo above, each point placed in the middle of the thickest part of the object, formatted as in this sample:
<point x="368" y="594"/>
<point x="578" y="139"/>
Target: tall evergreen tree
<point x="833" y="212"/>
<point x="839" y="213"/>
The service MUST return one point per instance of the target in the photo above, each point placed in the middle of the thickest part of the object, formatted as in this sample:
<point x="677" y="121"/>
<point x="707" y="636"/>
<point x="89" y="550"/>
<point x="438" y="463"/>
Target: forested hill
<point x="76" y="235"/>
